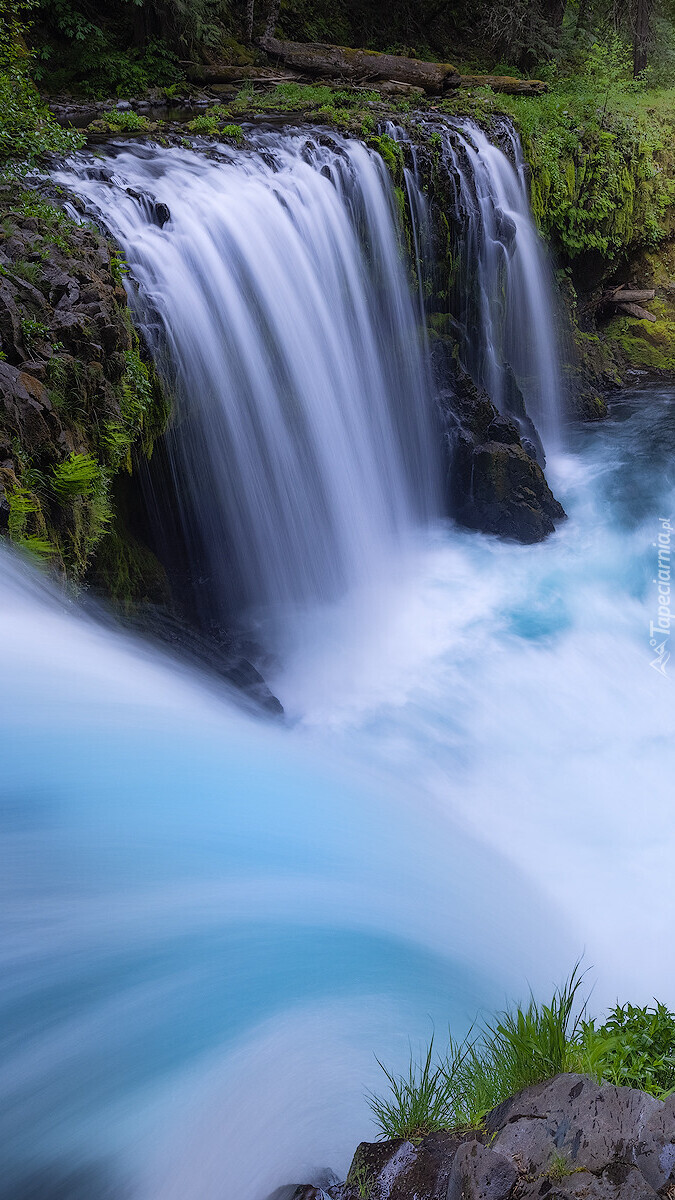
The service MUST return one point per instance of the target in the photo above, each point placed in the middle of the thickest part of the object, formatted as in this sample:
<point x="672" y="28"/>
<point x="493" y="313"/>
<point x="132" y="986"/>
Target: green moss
<point x="392" y="153"/>
<point x="643" y="343"/>
<point x="127" y="571"/>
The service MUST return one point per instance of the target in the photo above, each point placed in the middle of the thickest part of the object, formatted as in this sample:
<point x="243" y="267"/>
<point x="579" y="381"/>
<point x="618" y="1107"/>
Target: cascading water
<point x="211" y="923"/>
<point x="277" y="298"/>
<point x="208" y="927"/>
<point x="501" y="298"/>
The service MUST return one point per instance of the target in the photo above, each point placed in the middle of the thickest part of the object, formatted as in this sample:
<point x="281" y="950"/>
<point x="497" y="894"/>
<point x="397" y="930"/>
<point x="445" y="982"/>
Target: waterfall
<point x="276" y="298"/>
<point x="503" y="291"/>
<point x="501" y="295"/>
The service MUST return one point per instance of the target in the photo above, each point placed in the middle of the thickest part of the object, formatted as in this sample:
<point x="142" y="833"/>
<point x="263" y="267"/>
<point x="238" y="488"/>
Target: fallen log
<point x="634" y="310"/>
<point x="323" y="59"/>
<point x="208" y="73"/>
<point x="506" y="84"/>
<point x="624" y="295"/>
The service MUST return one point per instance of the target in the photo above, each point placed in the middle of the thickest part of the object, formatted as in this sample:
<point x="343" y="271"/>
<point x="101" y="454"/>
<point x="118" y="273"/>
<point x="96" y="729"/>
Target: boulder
<point x="567" y="1139"/>
<point x="572" y="1118"/>
<point x="400" y="1170"/>
<point x="492" y="483"/>
<point x="481" y="1173"/>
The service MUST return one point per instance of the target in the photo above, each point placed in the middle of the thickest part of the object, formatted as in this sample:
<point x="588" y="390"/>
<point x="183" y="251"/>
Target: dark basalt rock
<point x="566" y="1139"/>
<point x="493" y="484"/>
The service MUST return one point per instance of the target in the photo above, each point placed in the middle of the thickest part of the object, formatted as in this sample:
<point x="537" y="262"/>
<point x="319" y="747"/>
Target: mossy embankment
<point x="80" y="399"/>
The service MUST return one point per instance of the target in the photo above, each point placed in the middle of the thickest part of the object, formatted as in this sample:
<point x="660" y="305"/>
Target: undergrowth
<point x="27" y="129"/>
<point x="524" y="1045"/>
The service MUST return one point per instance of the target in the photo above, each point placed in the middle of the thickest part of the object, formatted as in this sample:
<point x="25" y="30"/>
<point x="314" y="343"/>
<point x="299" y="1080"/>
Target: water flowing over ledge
<point x="278" y="301"/>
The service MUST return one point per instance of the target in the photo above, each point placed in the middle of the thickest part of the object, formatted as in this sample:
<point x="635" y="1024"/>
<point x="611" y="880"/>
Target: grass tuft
<point x="524" y="1045"/>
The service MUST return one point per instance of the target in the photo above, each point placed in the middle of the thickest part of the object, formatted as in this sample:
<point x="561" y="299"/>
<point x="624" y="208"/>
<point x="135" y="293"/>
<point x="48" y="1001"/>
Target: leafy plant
<point x="33" y="331"/>
<point x="79" y="475"/>
<point x="28" y="131"/>
<point x="126" y="120"/>
<point x="635" y="1047"/>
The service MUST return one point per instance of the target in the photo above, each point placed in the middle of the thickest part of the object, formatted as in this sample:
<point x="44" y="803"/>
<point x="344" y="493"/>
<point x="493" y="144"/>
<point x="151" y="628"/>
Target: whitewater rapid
<point x="211" y="923"/>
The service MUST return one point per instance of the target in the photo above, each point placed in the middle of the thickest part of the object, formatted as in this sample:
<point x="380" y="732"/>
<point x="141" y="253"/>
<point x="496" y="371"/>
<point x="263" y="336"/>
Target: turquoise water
<point x="212" y="921"/>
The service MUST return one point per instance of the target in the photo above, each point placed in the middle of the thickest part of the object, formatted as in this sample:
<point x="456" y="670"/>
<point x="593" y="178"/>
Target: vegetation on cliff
<point x="76" y="395"/>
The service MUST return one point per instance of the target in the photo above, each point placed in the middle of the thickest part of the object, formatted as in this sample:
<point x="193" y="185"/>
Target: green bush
<point x="600" y="148"/>
<point x="27" y="129"/>
<point x="126" y="121"/>
<point x="635" y="1047"/>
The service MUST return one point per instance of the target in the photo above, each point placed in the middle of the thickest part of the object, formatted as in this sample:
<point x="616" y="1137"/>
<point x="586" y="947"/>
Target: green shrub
<point x="599" y="145"/>
<point x="27" y="129"/>
<point x="126" y="121"/>
<point x="635" y="1047"/>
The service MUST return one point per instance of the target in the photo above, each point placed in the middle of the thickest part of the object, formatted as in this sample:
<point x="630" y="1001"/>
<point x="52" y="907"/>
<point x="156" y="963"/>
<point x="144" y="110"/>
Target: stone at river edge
<point x="493" y="484"/>
<point x="567" y="1139"/>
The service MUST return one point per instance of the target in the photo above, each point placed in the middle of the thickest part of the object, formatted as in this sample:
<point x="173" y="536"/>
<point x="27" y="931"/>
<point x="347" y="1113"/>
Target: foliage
<point x="27" y="129"/>
<point x="33" y="331"/>
<point x="599" y="145"/>
<point x="211" y="123"/>
<point x="524" y="1045"/>
<point x="300" y="97"/>
<point x="635" y="1047"/>
<point x="95" y="57"/>
<point x="78" y="475"/>
<point x="126" y="120"/>
<point x="419" y="1102"/>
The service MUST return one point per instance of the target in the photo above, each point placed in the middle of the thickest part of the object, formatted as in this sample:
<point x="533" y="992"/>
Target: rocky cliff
<point x="566" y="1139"/>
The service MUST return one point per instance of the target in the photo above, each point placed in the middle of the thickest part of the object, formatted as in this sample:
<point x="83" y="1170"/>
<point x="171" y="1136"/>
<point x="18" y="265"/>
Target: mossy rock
<point x="646" y="344"/>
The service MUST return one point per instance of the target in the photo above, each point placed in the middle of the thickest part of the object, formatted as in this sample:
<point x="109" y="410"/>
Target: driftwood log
<point x="630" y="300"/>
<point x="322" y="59"/>
<point x="506" y="84"/>
<point x="340" y="63"/>
<point x="218" y="73"/>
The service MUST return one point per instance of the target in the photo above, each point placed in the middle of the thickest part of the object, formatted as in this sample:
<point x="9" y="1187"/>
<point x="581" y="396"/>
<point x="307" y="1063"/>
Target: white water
<point x="502" y="294"/>
<point x="210" y="926"/>
<point x="211" y="923"/>
<point x="305" y="456"/>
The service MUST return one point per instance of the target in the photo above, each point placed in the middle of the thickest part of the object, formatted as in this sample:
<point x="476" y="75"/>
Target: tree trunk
<point x="272" y="18"/>
<point x="250" y="11"/>
<point x="318" y="58"/>
<point x="554" y="11"/>
<point x="641" y="35"/>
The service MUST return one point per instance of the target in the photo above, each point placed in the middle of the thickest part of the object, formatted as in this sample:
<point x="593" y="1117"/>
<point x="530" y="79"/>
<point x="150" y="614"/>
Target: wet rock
<point x="572" y="1117"/>
<point x="26" y="411"/>
<point x="654" y="1153"/>
<point x="617" y="1183"/>
<point x="492" y="483"/>
<point x="399" y="1170"/>
<point x="566" y="1139"/>
<point x="481" y="1173"/>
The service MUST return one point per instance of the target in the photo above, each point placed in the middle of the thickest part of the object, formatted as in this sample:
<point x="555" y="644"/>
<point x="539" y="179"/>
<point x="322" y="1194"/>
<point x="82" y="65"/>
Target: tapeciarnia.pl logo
<point x="659" y="630"/>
